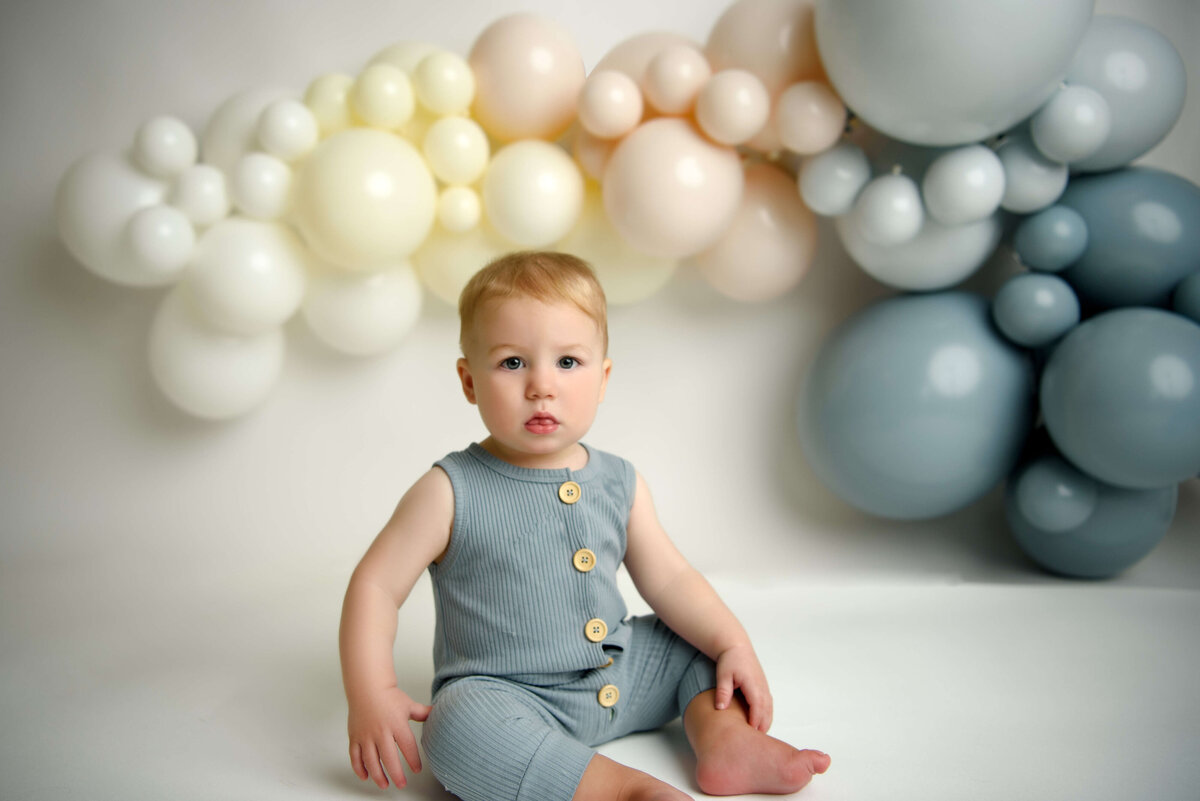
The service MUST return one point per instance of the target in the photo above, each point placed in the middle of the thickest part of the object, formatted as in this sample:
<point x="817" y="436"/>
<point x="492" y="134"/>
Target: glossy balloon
<point x="164" y="147"/>
<point x="260" y="186"/>
<point x="1121" y="396"/>
<point x="809" y="117"/>
<point x="732" y="107"/>
<point x="1143" y="236"/>
<point x="830" y="181"/>
<point x="1052" y="239"/>
<point x="963" y="185"/>
<point x="161" y="240"/>
<point x="200" y="193"/>
<point x="674" y="78"/>
<point x="232" y="130"/>
<point x="459" y="209"/>
<point x="938" y="257"/>
<point x="1053" y="496"/>
<point x="915" y="407"/>
<point x="288" y="129"/>
<point x="1031" y="181"/>
<point x="328" y="98"/>
<point x="888" y="211"/>
<point x="444" y="83"/>
<point x="1033" y="310"/>
<point x="532" y="193"/>
<point x="1186" y="300"/>
<point x="363" y="314"/>
<point x="457" y="150"/>
<point x="1072" y="125"/>
<point x="610" y="104"/>
<point x="446" y="261"/>
<point x="382" y="96"/>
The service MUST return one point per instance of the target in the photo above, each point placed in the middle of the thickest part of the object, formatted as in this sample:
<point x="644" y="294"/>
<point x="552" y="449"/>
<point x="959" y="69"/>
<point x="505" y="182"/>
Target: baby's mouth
<point x="541" y="423"/>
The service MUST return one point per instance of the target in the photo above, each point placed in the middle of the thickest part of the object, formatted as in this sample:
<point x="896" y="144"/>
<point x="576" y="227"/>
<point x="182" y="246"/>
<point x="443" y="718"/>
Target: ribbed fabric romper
<point x="534" y="658"/>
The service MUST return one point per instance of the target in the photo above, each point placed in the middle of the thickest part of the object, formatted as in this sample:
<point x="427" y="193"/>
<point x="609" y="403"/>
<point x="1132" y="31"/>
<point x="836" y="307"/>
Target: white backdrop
<point x="153" y="566"/>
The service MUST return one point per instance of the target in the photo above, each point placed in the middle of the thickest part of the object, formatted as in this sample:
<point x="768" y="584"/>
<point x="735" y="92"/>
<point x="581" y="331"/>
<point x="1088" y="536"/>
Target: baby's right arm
<point x="417" y="534"/>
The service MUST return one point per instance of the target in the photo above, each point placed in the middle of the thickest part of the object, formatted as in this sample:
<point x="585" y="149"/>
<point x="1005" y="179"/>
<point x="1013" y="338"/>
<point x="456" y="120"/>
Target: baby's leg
<point x="734" y="758"/>
<point x="605" y="780"/>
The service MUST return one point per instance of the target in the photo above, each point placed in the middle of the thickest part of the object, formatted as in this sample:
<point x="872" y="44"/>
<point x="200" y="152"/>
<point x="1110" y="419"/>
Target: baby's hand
<point x="378" y="726"/>
<point x="738" y="669"/>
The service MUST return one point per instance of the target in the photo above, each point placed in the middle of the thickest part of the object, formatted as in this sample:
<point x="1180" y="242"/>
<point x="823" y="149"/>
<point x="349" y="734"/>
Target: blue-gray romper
<point x="535" y="658"/>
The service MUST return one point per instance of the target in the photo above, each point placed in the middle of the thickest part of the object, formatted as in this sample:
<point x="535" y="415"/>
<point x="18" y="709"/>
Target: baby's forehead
<point x="550" y="318"/>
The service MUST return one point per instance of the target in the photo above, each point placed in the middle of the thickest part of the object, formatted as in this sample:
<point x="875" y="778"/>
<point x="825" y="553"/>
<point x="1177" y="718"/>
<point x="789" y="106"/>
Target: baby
<point x="535" y="658"/>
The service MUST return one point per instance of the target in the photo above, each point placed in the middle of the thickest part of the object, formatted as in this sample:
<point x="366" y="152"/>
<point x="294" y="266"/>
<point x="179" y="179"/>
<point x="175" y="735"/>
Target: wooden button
<point x="595" y="630"/>
<point x="608" y="695"/>
<point x="569" y="492"/>
<point x="584" y="560"/>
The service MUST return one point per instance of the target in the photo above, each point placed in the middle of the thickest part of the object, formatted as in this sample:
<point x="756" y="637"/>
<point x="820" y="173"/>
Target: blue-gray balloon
<point x="1187" y="298"/>
<point x="1050" y="240"/>
<point x="1143" y="236"/>
<point x="1095" y="530"/>
<point x="916" y="407"/>
<point x="1120" y="396"/>
<point x="1033" y="310"/>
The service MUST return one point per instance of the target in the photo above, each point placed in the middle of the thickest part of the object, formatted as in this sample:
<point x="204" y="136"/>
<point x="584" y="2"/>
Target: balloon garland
<point x="346" y="204"/>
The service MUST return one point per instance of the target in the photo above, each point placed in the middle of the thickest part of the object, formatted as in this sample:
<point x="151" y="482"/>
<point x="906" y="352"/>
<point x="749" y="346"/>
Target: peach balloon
<point x="674" y="78"/>
<point x="732" y="107"/>
<point x="592" y="153"/>
<point x="528" y="73"/>
<point x="809" y="117"/>
<point x="768" y="247"/>
<point x="610" y="104"/>
<point x="668" y="191"/>
<point x="774" y="39"/>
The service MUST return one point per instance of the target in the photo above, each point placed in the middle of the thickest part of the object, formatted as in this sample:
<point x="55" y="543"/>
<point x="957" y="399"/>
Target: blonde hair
<point x="547" y="276"/>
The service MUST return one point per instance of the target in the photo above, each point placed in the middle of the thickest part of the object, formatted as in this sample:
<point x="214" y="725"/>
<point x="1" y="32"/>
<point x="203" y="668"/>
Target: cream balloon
<point x="444" y="83"/>
<point x="362" y="314"/>
<point x="532" y="192"/>
<point x="610" y="104"/>
<point x="809" y="117"/>
<point x="164" y="147"/>
<point x="247" y="276"/>
<point x="200" y="193"/>
<point x="528" y="73"/>
<point x="206" y="372"/>
<point x="404" y="55"/>
<point x="446" y="261"/>
<point x="457" y="150"/>
<point x="668" y="191"/>
<point x="768" y="247"/>
<point x="232" y="130"/>
<point x="364" y="198"/>
<point x="459" y="209"/>
<point x="260" y="186"/>
<point x="937" y="257"/>
<point x="161" y="240"/>
<point x="627" y="275"/>
<point x="288" y="130"/>
<point x="732" y="107"/>
<point x="382" y="96"/>
<point x="328" y="98"/>
<point x="674" y="78"/>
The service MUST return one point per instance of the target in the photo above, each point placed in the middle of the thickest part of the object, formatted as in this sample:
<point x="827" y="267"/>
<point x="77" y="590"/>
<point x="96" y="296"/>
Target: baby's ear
<point x="468" y="381"/>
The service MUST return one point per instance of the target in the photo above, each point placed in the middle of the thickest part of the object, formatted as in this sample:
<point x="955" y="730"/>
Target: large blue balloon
<point x="916" y="407"/>
<point x="1070" y="523"/>
<point x="1120" y="396"/>
<point x="1143" y="229"/>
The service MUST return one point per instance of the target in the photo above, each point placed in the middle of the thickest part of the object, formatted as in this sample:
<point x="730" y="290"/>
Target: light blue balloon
<point x="1050" y="240"/>
<point x="1143" y="236"/>
<point x="1120" y="396"/>
<point x="1187" y="298"/>
<point x="1033" y="310"/>
<point x="830" y="181"/>
<point x="916" y="407"/>
<point x="1119" y="528"/>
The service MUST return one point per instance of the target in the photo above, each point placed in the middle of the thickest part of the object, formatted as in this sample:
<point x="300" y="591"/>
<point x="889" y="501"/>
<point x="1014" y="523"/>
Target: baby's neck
<point x="574" y="457"/>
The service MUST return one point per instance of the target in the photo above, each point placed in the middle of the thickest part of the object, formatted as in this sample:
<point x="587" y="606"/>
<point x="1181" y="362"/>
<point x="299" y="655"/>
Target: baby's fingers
<point x="724" y="693"/>
<point x="408" y="747"/>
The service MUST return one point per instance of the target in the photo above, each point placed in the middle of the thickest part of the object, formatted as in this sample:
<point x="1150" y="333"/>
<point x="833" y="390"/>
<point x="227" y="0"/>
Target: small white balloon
<point x="1031" y="181"/>
<point x="260" y="186"/>
<point x="248" y="277"/>
<point x="206" y="372"/>
<point x="232" y="130"/>
<point x="382" y="96"/>
<point x="459" y="209"/>
<point x="732" y="107"/>
<point x="457" y="150"/>
<point x="363" y="314"/>
<point x="288" y="129"/>
<point x="161" y="240"/>
<point x="830" y="181"/>
<point x="165" y="147"/>
<point x="532" y="192"/>
<point x="1072" y="125"/>
<point x="610" y="104"/>
<point x="963" y="185"/>
<point x="888" y="210"/>
<point x="938" y="257"/>
<point x="444" y="83"/>
<point x="674" y="78"/>
<point x="200" y="193"/>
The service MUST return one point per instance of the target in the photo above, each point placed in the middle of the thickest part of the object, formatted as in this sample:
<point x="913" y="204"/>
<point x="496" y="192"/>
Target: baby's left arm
<point x="687" y="603"/>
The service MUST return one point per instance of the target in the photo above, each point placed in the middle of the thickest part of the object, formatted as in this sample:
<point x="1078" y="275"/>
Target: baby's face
<point x="537" y="372"/>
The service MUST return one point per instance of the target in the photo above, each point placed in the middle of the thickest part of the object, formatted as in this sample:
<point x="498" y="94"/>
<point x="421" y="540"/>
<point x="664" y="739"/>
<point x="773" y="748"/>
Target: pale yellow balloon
<point x="610" y="104"/>
<point x="364" y="198"/>
<point x="732" y="107"/>
<point x="444" y="83"/>
<point x="382" y="96"/>
<point x="404" y="55"/>
<point x="446" y="261"/>
<point x="457" y="150"/>
<point x="674" y="78"/>
<point x="669" y="191"/>
<point x="328" y="98"/>
<point x="532" y="192"/>
<point x="528" y="73"/>
<point x="634" y="55"/>
<point x="459" y="209"/>
<point x="627" y="275"/>
<point x="592" y="153"/>
<point x="769" y="246"/>
<point x="809" y="117"/>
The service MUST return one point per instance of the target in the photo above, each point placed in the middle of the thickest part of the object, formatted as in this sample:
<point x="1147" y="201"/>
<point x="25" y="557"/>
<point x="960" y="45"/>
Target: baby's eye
<point x="568" y="363"/>
<point x="512" y="363"/>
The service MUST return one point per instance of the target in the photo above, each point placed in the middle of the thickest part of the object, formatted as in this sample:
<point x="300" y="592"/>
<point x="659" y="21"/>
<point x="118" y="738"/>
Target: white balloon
<point x="888" y="210"/>
<point x="161" y="240"/>
<point x="457" y="150"/>
<point x="830" y="181"/>
<point x="532" y="192"/>
<point x="232" y="130"/>
<point x="446" y="261"/>
<point x="260" y="186"/>
<point x="459" y="209"/>
<point x="248" y="277"/>
<point x="938" y="257"/>
<point x="363" y="314"/>
<point x="963" y="185"/>
<point x="288" y="129"/>
<point x="164" y="147"/>
<point x="95" y="200"/>
<point x="1072" y="125"/>
<point x="206" y="372"/>
<point x="200" y="193"/>
<point x="1031" y="181"/>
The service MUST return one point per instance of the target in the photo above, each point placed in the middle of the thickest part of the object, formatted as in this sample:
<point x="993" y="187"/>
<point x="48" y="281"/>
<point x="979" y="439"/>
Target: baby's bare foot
<point x="749" y="761"/>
